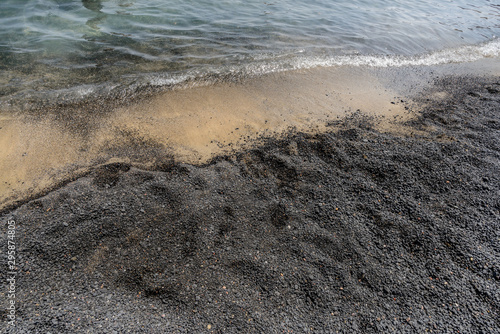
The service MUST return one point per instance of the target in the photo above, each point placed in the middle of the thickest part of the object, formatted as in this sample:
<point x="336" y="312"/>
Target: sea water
<point x="68" y="48"/>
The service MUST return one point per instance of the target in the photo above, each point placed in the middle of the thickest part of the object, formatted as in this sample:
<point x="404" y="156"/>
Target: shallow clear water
<point x="90" y="46"/>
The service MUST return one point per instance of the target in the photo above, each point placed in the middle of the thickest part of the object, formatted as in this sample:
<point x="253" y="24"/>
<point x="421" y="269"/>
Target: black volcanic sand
<point x="353" y="231"/>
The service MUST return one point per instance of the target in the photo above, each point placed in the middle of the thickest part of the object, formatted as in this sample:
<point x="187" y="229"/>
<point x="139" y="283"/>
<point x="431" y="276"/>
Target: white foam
<point x="165" y="80"/>
<point x="269" y="63"/>
<point x="462" y="54"/>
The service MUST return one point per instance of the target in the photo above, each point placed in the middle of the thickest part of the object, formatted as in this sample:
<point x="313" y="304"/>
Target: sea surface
<point x="75" y="48"/>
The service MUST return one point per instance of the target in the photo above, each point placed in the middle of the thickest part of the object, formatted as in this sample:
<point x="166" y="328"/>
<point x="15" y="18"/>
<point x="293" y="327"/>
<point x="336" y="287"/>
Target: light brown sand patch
<point x="197" y="122"/>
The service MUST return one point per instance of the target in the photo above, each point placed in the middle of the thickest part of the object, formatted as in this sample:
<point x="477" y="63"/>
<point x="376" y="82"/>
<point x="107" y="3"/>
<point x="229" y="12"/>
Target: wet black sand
<point x="353" y="231"/>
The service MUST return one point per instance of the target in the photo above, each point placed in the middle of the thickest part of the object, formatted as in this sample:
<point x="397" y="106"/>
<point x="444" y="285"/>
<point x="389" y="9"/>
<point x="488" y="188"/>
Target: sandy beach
<point x="373" y="214"/>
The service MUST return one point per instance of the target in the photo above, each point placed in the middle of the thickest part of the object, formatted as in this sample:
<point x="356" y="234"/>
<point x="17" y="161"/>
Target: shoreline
<point x="356" y="229"/>
<point x="48" y="95"/>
